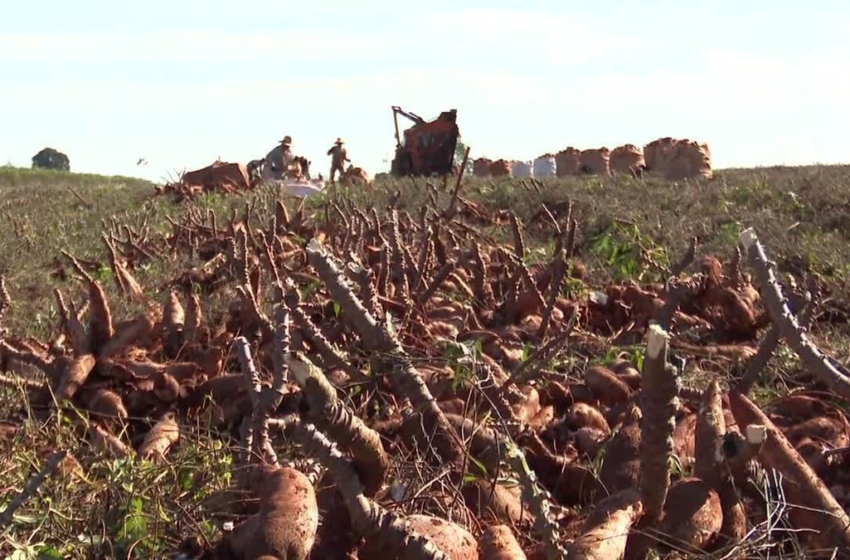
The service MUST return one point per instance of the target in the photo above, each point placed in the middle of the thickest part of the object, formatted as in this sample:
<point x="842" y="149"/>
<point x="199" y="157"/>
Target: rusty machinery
<point x="428" y="148"/>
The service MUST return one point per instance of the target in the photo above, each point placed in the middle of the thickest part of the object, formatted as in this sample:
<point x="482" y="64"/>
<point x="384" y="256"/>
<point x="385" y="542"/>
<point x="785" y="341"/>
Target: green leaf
<point x="137" y="504"/>
<point x="526" y="352"/>
<point x="47" y="552"/>
<point x="478" y="464"/>
<point x="186" y="479"/>
<point x="25" y="518"/>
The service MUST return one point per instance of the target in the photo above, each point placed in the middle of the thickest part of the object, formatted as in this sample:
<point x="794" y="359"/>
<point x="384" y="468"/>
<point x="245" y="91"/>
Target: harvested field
<point x="599" y="367"/>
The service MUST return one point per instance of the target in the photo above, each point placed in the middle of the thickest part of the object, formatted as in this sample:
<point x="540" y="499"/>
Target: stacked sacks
<point x="500" y="168"/>
<point x="657" y="154"/>
<point x="545" y="166"/>
<point x="627" y="159"/>
<point x="667" y="157"/>
<point x="689" y="159"/>
<point x="481" y="167"/>
<point x="676" y="160"/>
<point x="567" y="162"/>
<point x="595" y="161"/>
<point x="522" y="169"/>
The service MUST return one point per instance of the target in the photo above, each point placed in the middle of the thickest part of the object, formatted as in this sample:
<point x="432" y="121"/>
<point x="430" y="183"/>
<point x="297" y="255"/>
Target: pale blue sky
<point x="181" y="82"/>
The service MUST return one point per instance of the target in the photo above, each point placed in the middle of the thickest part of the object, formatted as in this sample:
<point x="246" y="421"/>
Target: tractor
<point x="427" y="148"/>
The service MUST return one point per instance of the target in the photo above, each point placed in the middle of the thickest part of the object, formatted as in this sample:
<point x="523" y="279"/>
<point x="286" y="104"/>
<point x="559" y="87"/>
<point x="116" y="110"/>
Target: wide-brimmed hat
<point x="339" y="141"/>
<point x="287" y="141"/>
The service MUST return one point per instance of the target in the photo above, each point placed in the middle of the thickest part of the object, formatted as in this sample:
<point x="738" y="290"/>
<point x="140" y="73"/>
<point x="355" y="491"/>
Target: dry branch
<point x="686" y="260"/>
<point x="540" y="357"/>
<point x="33" y="484"/>
<point x="28" y="384"/>
<point x="451" y="209"/>
<point x="5" y="304"/>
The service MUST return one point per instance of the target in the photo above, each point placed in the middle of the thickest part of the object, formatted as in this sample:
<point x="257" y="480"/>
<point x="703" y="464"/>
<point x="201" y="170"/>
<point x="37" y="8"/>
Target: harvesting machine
<point x="428" y="147"/>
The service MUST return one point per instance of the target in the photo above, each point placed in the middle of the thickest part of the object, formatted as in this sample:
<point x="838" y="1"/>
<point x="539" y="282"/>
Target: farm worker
<point x="279" y="159"/>
<point x="338" y="158"/>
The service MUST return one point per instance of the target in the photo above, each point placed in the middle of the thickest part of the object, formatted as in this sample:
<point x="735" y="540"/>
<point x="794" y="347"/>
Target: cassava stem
<point x="312" y="333"/>
<point x="544" y="527"/>
<point x="771" y="342"/>
<point x="270" y="397"/>
<point x="817" y="509"/>
<point x="658" y="408"/>
<point x="369" y="519"/>
<point x="789" y="327"/>
<point x="256" y="443"/>
<point x="380" y="339"/>
<point x="559" y="273"/>
<point x="353" y="310"/>
<point x="713" y="457"/>
<point x="332" y="416"/>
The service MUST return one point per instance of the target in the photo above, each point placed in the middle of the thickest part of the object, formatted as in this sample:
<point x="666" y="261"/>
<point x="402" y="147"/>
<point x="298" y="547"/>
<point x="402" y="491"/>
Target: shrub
<point x="48" y="158"/>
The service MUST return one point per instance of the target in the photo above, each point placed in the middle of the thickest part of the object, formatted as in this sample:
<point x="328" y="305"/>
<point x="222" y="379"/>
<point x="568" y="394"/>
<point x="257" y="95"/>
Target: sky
<point x="181" y="83"/>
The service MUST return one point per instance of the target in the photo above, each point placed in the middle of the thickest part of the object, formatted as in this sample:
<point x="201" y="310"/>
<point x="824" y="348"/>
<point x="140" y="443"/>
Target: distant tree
<point x="48" y="158"/>
<point x="460" y="150"/>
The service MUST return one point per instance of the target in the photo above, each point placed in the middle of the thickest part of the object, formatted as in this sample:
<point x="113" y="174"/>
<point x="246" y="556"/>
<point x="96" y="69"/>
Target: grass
<point x="628" y="229"/>
<point x="117" y="505"/>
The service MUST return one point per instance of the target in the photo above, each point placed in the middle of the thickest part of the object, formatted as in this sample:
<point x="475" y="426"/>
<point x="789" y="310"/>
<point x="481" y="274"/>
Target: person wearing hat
<point x="279" y="159"/>
<point x="338" y="158"/>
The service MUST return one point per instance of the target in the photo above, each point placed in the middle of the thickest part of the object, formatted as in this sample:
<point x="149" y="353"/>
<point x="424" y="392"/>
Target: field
<point x="155" y="354"/>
